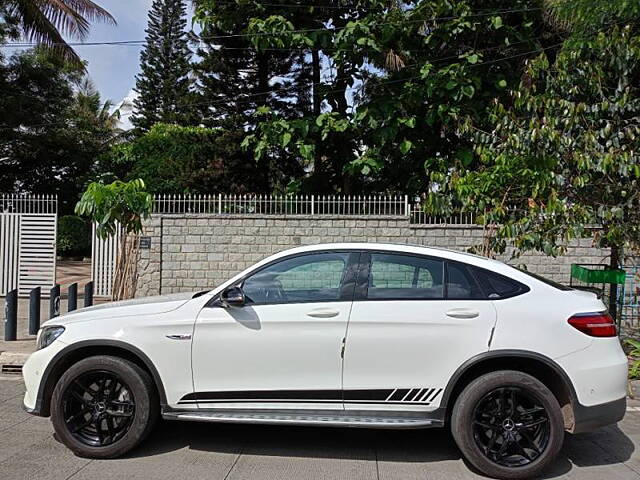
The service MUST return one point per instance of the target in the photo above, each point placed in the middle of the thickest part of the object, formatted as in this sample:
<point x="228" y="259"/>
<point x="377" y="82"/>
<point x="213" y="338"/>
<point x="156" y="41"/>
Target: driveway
<point x="194" y="451"/>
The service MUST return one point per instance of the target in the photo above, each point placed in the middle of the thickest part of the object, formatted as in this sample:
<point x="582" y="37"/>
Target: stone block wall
<point x="199" y="251"/>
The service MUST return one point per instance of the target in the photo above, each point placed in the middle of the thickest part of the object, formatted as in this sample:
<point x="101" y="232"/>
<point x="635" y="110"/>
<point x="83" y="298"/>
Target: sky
<point x="113" y="68"/>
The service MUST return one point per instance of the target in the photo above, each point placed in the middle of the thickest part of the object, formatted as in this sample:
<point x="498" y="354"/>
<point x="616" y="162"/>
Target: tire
<point x="104" y="406"/>
<point x="503" y="442"/>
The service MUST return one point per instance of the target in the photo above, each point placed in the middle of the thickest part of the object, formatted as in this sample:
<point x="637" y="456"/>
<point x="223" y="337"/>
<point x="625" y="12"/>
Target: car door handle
<point x="323" y="313"/>
<point x="184" y="336"/>
<point x="462" y="313"/>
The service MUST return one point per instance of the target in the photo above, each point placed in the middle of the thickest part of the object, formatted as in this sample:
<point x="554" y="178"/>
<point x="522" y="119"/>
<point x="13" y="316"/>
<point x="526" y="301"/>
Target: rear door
<point x="414" y="321"/>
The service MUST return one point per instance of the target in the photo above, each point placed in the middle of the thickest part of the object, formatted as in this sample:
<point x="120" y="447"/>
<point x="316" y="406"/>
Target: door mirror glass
<point x="232" y="297"/>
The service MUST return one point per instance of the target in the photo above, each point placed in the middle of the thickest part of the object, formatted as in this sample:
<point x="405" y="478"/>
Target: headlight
<point x="47" y="335"/>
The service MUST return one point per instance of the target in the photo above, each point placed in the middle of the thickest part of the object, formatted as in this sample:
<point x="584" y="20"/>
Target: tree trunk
<point x="125" y="278"/>
<point x="613" y="287"/>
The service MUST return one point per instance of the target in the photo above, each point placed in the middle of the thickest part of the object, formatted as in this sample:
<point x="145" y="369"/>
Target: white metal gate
<point x="28" y="225"/>
<point x="103" y="262"/>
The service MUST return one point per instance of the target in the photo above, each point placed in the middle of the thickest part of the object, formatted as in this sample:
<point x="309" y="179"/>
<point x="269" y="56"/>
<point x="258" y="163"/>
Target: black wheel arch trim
<point x="42" y="408"/>
<point x="506" y="353"/>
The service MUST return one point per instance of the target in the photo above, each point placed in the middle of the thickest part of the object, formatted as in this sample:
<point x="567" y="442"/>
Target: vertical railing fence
<point x="28" y="227"/>
<point x="314" y="205"/>
<point x="104" y="254"/>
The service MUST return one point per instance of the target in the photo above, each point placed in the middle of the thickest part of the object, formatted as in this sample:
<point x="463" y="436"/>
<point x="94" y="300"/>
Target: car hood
<point x="137" y="306"/>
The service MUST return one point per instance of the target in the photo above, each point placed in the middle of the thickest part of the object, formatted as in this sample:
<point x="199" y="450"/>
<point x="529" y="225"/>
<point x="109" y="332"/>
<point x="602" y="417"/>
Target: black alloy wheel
<point x="98" y="408"/>
<point x="511" y="427"/>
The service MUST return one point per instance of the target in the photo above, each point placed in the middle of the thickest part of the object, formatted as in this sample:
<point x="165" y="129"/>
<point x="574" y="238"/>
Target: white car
<point x="357" y="335"/>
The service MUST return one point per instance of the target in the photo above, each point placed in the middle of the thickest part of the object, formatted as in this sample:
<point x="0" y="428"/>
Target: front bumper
<point x="587" y="419"/>
<point x="34" y="374"/>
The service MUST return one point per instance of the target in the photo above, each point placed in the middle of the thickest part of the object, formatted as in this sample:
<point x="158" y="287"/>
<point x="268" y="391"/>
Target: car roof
<point x="395" y="248"/>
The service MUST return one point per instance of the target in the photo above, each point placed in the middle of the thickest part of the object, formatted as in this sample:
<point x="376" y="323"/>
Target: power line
<point x="258" y="34"/>
<point x="384" y="82"/>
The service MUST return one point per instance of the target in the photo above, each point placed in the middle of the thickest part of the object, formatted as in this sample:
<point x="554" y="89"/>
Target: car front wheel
<point x="508" y="425"/>
<point x="103" y="406"/>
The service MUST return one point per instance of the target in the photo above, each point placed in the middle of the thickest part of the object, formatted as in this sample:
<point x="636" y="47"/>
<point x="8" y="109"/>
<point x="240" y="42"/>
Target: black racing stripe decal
<point x="391" y="396"/>
<point x="438" y="392"/>
<point x="399" y="395"/>
<point x="363" y="395"/>
<point x="272" y="395"/>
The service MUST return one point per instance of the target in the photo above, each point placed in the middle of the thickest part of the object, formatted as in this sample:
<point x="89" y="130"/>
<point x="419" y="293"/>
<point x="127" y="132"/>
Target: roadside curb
<point x="11" y="362"/>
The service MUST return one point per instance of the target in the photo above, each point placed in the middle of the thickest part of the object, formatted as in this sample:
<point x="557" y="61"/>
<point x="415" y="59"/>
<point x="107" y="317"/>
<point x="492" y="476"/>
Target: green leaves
<point x="562" y="155"/>
<point x="117" y="205"/>
<point x="405" y="146"/>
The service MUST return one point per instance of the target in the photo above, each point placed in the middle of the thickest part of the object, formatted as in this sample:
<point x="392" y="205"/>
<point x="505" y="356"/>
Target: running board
<point x="328" y="419"/>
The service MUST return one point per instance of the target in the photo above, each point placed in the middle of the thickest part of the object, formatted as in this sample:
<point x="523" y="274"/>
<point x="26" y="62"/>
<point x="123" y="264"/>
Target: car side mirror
<point x="232" y="297"/>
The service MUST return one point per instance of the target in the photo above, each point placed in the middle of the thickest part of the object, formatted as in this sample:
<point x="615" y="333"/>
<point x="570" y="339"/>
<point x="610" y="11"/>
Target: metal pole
<point x="54" y="301"/>
<point x="11" y="316"/>
<point x="34" y="310"/>
<point x="88" y="294"/>
<point x="72" y="300"/>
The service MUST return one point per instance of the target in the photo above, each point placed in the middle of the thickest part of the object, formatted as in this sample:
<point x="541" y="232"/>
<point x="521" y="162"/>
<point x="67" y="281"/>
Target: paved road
<point x="230" y="452"/>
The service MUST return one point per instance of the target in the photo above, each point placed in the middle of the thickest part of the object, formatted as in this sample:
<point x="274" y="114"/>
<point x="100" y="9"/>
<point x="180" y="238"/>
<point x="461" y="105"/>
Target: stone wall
<point x="191" y="252"/>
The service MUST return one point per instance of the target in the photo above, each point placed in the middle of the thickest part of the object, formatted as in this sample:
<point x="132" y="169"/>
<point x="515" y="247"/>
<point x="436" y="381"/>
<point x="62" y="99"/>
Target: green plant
<point x="634" y="354"/>
<point x="73" y="236"/>
<point x="116" y="208"/>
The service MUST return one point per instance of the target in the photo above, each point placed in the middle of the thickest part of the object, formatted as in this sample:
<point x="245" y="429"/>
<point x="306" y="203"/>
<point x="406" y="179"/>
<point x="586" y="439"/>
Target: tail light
<point x="594" y="324"/>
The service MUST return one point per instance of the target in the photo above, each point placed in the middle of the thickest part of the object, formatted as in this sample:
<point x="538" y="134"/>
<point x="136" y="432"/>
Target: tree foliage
<point x="562" y="158"/>
<point x="402" y="75"/>
<point x="53" y="125"/>
<point x="175" y="159"/>
<point x="47" y="22"/>
<point x="116" y="205"/>
<point x="164" y="86"/>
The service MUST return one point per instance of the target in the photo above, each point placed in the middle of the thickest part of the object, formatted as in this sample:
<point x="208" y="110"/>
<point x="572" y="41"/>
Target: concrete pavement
<point x="193" y="451"/>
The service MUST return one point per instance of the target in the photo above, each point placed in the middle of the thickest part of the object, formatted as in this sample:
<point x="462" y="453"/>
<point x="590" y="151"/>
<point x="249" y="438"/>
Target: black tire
<point x="112" y="399"/>
<point x="508" y="425"/>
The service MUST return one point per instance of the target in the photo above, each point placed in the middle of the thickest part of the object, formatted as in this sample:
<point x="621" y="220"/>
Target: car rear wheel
<point x="508" y="425"/>
<point x="103" y="406"/>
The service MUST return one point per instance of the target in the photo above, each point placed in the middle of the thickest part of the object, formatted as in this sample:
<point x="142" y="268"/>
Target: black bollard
<point x="88" y="294"/>
<point x="72" y="301"/>
<point x="11" y="316"/>
<point x="34" y="310"/>
<point x="54" y="301"/>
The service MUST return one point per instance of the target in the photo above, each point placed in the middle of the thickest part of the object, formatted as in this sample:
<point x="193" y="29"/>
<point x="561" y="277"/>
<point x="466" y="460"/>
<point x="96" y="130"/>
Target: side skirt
<point x="327" y="418"/>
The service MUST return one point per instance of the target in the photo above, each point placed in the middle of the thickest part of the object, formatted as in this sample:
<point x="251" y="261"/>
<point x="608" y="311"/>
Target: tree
<point x="164" y="85"/>
<point x="175" y="159"/>
<point x="562" y="157"/>
<point x="234" y="79"/>
<point x="119" y="206"/>
<point x="47" y="21"/>
<point x="404" y="74"/>
<point x="52" y="128"/>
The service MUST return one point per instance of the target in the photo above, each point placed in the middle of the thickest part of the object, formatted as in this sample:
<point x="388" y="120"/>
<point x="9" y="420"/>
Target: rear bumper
<point x="590" y="418"/>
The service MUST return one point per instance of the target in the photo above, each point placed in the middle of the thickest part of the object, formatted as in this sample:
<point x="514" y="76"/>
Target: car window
<point x="460" y="283"/>
<point x="306" y="278"/>
<point x="397" y="277"/>
<point x="496" y="286"/>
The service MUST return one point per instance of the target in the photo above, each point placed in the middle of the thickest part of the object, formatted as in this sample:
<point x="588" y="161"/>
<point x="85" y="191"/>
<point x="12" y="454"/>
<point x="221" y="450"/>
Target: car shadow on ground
<point x="608" y="446"/>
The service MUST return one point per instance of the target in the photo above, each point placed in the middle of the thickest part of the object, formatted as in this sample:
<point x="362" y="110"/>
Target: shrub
<point x="73" y="237"/>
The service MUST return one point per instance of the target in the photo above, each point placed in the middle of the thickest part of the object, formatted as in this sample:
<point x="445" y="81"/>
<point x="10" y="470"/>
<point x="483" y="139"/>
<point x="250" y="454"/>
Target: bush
<point x="73" y="237"/>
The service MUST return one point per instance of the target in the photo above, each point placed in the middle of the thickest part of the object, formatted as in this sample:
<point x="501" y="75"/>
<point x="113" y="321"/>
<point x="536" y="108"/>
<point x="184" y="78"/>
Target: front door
<point x="414" y="321"/>
<point x="283" y="348"/>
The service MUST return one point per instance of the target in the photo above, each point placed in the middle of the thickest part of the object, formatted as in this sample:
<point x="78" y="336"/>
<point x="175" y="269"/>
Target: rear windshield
<point x="557" y="285"/>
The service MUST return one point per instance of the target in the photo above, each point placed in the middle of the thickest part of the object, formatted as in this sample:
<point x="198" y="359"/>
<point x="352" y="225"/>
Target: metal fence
<point x="310" y="205"/>
<point x="28" y="227"/>
<point x="630" y="297"/>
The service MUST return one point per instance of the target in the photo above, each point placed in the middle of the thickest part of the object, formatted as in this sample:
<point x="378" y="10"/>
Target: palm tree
<point x="46" y="21"/>
<point x="92" y="111"/>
